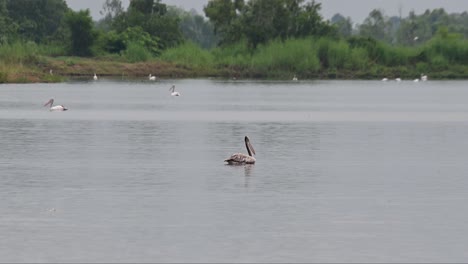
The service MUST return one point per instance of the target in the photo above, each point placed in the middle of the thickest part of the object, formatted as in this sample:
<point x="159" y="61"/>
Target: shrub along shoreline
<point x="83" y="68"/>
<point x="444" y="57"/>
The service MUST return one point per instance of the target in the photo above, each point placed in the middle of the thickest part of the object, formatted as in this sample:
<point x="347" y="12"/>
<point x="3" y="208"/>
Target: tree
<point x="37" y="20"/>
<point x="82" y="34"/>
<point x="110" y="10"/>
<point x="195" y="27"/>
<point x="310" y="22"/>
<point x="7" y="27"/>
<point x="152" y="17"/>
<point x="260" y="21"/>
<point x="374" y="25"/>
<point x="266" y="20"/>
<point x="343" y="25"/>
<point x="225" y="17"/>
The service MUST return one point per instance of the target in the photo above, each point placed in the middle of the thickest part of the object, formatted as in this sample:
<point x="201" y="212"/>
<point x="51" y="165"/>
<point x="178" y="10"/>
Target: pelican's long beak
<point x="247" y="141"/>
<point x="251" y="148"/>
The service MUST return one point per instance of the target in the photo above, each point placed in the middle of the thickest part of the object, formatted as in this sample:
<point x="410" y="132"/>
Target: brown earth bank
<point x="62" y="68"/>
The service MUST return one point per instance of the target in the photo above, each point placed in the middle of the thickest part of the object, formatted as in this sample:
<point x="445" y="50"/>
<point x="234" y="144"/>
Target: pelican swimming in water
<point x="241" y="158"/>
<point x="174" y="93"/>
<point x="55" y="108"/>
<point x="95" y="77"/>
<point x="295" y="78"/>
<point x="151" y="78"/>
<point x="423" y="77"/>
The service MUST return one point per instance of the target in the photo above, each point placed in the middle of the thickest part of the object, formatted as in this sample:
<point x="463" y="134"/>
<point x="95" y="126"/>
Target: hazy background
<point x="358" y="10"/>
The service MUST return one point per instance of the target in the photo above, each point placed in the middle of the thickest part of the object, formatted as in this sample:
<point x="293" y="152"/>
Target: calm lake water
<point x="347" y="171"/>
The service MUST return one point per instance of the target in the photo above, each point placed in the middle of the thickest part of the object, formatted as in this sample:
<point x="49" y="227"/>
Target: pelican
<point x="174" y="93"/>
<point x="241" y="158"/>
<point x="295" y="78"/>
<point x="423" y="77"/>
<point x="384" y="79"/>
<point x="151" y="78"/>
<point x="95" y="77"/>
<point x="55" y="108"/>
<point x="398" y="79"/>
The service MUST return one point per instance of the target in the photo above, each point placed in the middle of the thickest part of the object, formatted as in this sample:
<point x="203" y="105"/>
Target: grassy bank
<point x="444" y="57"/>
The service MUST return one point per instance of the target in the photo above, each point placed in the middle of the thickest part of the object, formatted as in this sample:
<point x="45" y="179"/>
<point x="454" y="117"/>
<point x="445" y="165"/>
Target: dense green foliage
<point x="260" y="21"/>
<point x="327" y="57"/>
<point x="149" y="24"/>
<point x="39" y="20"/>
<point x="412" y="30"/>
<point x="251" y="38"/>
<point x="81" y="30"/>
<point x="195" y="28"/>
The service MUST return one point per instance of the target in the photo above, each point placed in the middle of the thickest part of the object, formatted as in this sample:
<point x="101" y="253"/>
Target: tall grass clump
<point x="358" y="59"/>
<point x="377" y="51"/>
<point x="294" y="55"/>
<point x="439" y="62"/>
<point x="338" y="54"/>
<point x="19" y="52"/>
<point x="3" y="77"/>
<point x="322" y="45"/>
<point x="235" y="55"/>
<point x="136" y="53"/>
<point x="453" y="49"/>
<point x="397" y="56"/>
<point x="52" y="50"/>
<point x="188" y="54"/>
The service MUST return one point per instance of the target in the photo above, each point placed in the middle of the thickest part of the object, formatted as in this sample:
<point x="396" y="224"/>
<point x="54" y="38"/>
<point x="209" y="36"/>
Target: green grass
<point x="291" y="56"/>
<point x="188" y="54"/>
<point x="136" y="53"/>
<point x="442" y="58"/>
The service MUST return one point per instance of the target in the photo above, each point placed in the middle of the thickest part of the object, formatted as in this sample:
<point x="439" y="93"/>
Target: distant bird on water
<point x="174" y="93"/>
<point x="55" y="108"/>
<point x="151" y="78"/>
<point x="423" y="77"/>
<point x="95" y="77"/>
<point x="241" y="158"/>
